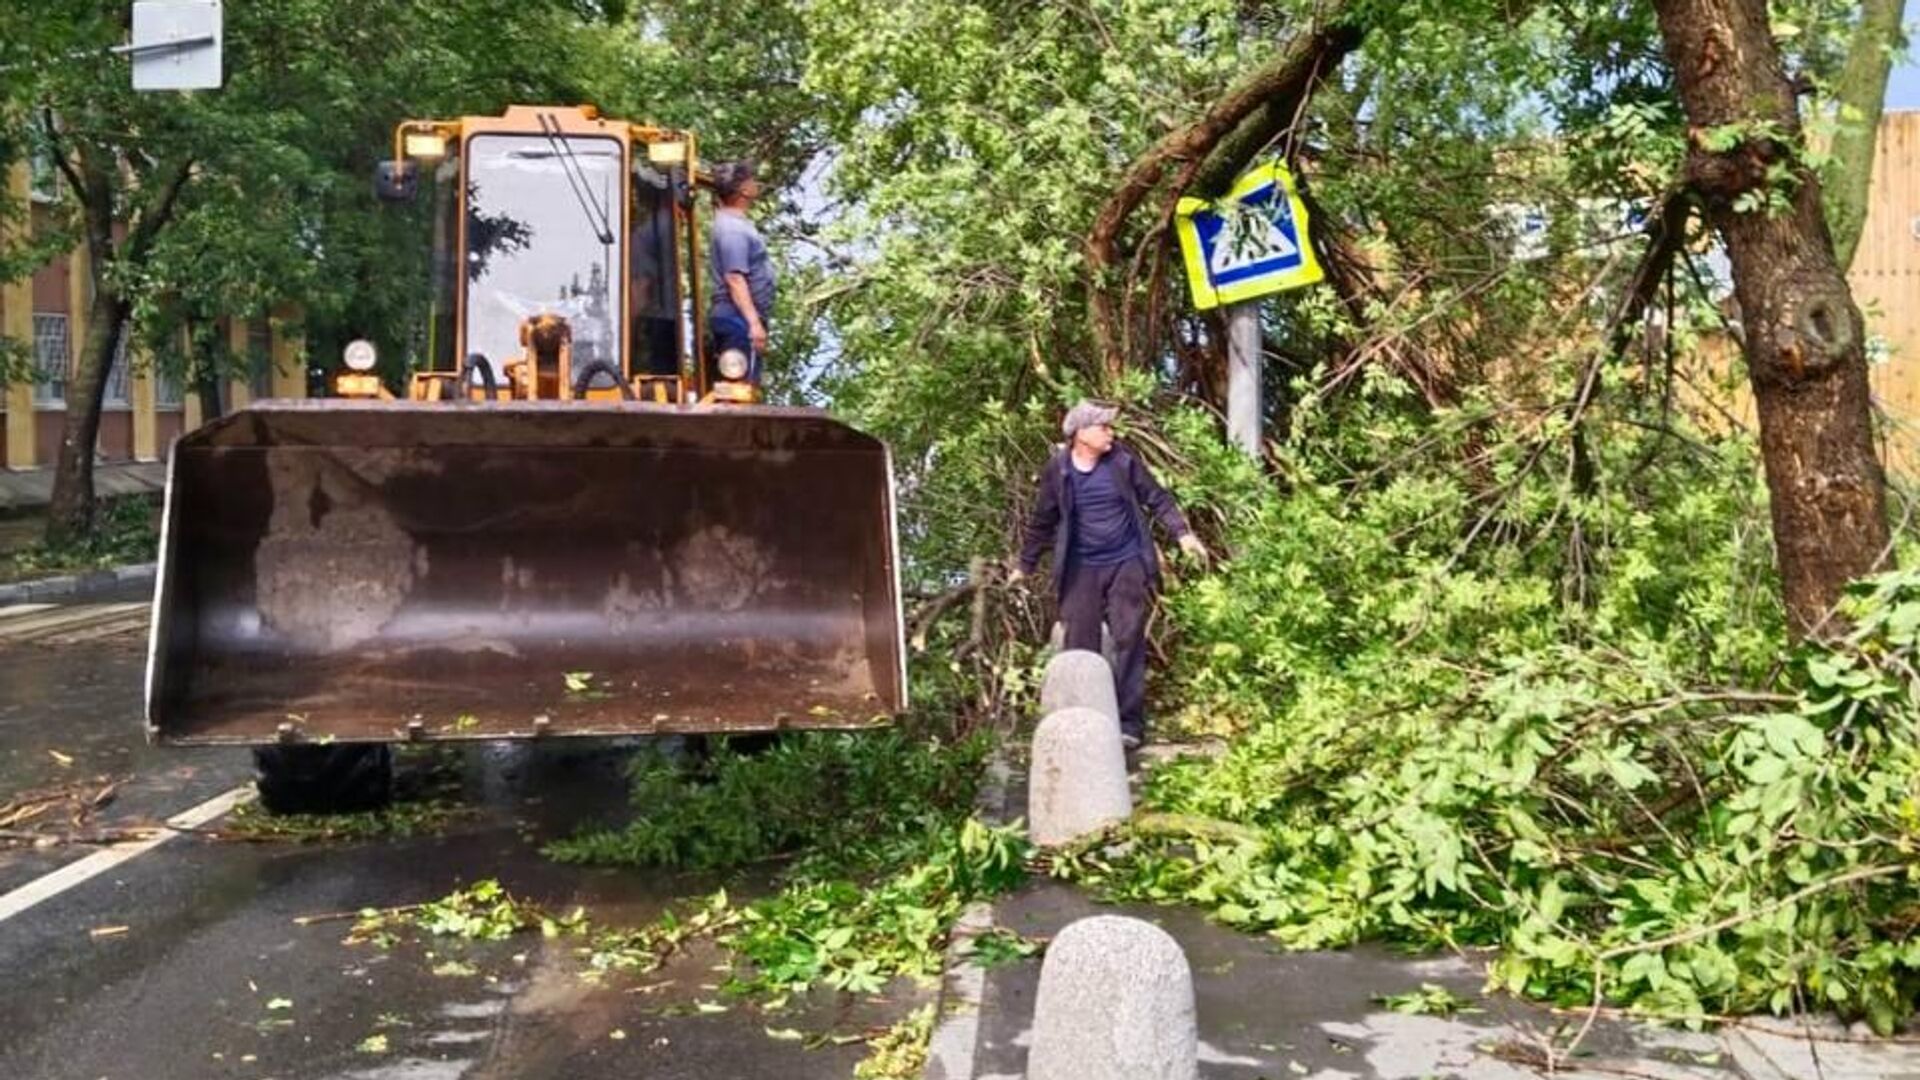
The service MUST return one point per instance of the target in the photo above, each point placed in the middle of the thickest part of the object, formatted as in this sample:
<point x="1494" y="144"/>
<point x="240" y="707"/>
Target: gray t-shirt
<point x="738" y="249"/>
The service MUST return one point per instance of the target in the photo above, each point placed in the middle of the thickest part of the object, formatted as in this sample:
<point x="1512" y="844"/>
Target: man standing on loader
<point x="1092" y="511"/>
<point x="743" y="277"/>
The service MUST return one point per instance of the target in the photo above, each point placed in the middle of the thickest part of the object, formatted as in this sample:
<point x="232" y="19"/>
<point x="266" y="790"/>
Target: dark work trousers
<point x="1117" y="595"/>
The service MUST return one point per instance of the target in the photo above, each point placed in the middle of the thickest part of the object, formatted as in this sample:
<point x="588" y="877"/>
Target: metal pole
<point x="1243" y="376"/>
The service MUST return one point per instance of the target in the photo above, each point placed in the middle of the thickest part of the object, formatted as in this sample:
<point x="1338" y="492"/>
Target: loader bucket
<point x="369" y="571"/>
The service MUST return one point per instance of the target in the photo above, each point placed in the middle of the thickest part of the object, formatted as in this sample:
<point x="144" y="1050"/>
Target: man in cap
<point x="743" y="277"/>
<point x="1092" y="511"/>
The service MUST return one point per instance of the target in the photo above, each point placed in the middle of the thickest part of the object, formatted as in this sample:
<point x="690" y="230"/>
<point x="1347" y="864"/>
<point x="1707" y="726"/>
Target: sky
<point x="1903" y="86"/>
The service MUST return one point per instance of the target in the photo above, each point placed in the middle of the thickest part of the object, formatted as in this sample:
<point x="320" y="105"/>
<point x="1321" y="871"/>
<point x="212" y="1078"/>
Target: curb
<point x="77" y="586"/>
<point x="957" y="1009"/>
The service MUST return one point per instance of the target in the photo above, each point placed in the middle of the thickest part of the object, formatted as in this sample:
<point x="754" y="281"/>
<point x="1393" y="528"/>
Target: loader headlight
<point x="733" y="364"/>
<point x="360" y="355"/>
<point x="430" y="145"/>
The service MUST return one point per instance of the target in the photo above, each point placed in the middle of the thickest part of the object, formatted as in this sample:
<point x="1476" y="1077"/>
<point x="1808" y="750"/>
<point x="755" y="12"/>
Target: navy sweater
<point x="1051" y="524"/>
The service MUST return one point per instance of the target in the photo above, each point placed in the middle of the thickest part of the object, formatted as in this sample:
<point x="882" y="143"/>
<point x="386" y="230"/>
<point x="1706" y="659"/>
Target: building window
<point x="167" y="390"/>
<point x="50" y="359"/>
<point x="120" y="377"/>
<point x="43" y="177"/>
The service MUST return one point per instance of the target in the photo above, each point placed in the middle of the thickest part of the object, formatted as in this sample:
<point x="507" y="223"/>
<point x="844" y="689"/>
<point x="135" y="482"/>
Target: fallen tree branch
<point x="1863" y="873"/>
<point x="80" y="798"/>
<point x="39" y="839"/>
<point x="341" y="916"/>
<point x="1193" y="826"/>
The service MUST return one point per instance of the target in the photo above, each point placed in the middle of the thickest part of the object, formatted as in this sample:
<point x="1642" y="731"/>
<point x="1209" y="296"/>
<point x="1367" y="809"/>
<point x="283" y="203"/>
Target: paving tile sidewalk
<point x="26" y="488"/>
<point x="1265" y="1014"/>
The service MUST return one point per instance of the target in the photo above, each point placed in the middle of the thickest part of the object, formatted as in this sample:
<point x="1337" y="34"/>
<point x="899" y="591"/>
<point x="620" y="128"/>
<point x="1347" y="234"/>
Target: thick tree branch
<point x="1666" y="233"/>
<point x="1274" y="118"/>
<point x="1285" y="79"/>
<point x="154" y="216"/>
<point x="56" y="149"/>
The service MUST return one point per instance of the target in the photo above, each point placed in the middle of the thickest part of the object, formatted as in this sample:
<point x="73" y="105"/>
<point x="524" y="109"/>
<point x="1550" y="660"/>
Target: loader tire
<point x="341" y="779"/>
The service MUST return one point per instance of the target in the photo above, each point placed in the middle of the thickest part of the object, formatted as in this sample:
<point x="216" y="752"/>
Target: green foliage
<point x="837" y="931"/>
<point x="124" y="533"/>
<point x="1429" y="1000"/>
<point x="884" y="856"/>
<point x="999" y="947"/>
<point x="856" y="799"/>
<point x="483" y="911"/>
<point x="423" y="817"/>
<point x="823" y="928"/>
<point x="854" y="936"/>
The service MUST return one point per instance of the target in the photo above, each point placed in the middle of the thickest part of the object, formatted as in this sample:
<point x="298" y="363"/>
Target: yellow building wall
<point x="1886" y="282"/>
<point x="239" y="394"/>
<point x="16" y="324"/>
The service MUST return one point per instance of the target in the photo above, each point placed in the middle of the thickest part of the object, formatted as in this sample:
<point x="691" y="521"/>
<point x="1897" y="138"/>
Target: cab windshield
<point x="543" y="215"/>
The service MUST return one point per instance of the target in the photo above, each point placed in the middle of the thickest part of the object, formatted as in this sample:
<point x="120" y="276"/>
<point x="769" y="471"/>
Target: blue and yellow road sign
<point x="1258" y="246"/>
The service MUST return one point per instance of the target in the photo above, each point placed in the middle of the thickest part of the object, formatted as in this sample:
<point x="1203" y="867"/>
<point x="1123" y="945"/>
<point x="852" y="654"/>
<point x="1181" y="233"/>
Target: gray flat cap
<point x="1085" y="415"/>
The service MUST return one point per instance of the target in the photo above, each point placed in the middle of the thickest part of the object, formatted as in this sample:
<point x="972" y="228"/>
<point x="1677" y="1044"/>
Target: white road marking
<point x="51" y="885"/>
<point x="8" y="611"/>
<point x="55" y="620"/>
<point x="119" y="626"/>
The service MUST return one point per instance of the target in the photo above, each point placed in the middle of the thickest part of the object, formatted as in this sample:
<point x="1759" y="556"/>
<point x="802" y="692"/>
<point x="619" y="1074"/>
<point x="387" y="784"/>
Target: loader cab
<point x="566" y="259"/>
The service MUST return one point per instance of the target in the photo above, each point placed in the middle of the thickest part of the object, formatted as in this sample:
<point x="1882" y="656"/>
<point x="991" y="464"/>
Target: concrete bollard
<point x="1115" y="1003"/>
<point x="1078" y="782"/>
<point x="1057" y="641"/>
<point x="1079" y="679"/>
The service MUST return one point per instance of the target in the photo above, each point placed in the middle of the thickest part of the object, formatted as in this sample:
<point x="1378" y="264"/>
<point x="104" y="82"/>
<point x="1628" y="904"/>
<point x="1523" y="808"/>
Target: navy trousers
<point x="1118" y="596"/>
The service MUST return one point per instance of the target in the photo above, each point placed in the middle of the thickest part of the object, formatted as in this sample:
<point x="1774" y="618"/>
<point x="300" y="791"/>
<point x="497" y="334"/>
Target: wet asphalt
<point x="187" y="962"/>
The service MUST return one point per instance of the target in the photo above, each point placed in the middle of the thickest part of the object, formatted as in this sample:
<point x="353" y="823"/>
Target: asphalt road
<point x="185" y="960"/>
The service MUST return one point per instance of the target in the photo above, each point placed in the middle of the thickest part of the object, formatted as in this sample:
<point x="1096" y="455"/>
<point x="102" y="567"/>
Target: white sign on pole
<point x="176" y="45"/>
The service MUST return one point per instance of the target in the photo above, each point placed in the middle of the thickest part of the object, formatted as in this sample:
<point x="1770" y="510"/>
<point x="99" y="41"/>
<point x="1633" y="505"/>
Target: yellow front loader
<point x="576" y="522"/>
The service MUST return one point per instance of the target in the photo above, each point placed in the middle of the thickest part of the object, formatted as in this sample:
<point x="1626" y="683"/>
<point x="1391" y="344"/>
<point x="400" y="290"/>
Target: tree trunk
<point x="1803" y="334"/>
<point x="1862" y="94"/>
<point x="206" y="384"/>
<point x="70" y="507"/>
<point x="97" y="178"/>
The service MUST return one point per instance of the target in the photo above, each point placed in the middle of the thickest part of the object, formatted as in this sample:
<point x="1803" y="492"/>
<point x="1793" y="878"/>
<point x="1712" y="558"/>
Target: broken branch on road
<point x="36" y="816"/>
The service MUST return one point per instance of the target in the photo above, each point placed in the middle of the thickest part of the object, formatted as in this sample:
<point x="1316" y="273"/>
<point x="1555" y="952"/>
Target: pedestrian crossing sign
<point x="1250" y="243"/>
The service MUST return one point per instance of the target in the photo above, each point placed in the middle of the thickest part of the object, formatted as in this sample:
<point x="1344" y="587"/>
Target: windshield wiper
<point x="576" y="175"/>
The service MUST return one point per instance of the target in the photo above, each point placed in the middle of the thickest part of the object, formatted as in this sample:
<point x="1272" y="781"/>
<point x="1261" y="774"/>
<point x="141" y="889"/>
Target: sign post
<point x="1249" y="244"/>
<point x="1244" y="407"/>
